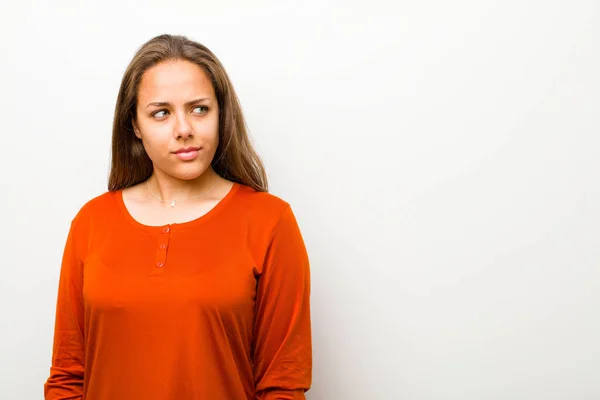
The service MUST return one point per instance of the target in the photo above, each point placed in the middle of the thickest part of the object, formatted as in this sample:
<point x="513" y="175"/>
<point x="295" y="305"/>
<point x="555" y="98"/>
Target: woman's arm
<point x="282" y="331"/>
<point x="66" y="373"/>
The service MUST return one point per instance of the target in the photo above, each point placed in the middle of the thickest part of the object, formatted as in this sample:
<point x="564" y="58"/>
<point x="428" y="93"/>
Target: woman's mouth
<point x="188" y="153"/>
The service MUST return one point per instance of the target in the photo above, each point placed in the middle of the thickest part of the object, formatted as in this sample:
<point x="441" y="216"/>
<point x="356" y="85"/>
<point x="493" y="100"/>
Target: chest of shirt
<point x="173" y="269"/>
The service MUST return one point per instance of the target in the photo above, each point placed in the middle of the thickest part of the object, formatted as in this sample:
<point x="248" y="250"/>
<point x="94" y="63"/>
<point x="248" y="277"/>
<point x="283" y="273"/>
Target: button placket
<point x="162" y="246"/>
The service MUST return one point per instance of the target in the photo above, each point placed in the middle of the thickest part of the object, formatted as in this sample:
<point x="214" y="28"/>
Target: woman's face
<point x="176" y="110"/>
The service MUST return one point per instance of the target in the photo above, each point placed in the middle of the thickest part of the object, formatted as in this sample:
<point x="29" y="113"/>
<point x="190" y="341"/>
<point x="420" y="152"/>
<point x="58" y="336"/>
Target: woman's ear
<point x="136" y="130"/>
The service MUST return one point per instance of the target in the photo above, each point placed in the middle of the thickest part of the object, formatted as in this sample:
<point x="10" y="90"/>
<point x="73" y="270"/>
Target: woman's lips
<point x="187" y="155"/>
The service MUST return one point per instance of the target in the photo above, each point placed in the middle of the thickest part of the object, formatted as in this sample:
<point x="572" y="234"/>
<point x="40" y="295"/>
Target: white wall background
<point x="443" y="158"/>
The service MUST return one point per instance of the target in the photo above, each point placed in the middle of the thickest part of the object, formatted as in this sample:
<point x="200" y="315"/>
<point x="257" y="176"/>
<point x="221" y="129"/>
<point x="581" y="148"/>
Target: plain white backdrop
<point x="442" y="157"/>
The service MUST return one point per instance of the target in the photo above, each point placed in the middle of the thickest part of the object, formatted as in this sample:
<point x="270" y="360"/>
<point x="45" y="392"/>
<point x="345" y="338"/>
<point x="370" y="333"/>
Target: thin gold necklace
<point x="172" y="202"/>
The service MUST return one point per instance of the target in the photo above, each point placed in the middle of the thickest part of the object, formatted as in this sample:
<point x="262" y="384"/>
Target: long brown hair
<point x="235" y="158"/>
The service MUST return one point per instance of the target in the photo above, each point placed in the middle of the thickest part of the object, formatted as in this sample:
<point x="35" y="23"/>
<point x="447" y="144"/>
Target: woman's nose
<point x="183" y="128"/>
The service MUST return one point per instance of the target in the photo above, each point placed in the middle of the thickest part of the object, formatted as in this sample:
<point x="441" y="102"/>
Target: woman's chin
<point x="188" y="172"/>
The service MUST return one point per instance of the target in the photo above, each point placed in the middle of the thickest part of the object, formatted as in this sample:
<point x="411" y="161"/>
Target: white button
<point x="166" y="229"/>
<point x="160" y="265"/>
<point x="163" y="246"/>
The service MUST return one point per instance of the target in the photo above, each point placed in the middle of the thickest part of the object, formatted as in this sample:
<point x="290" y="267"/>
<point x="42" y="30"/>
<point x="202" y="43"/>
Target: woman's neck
<point x="169" y="188"/>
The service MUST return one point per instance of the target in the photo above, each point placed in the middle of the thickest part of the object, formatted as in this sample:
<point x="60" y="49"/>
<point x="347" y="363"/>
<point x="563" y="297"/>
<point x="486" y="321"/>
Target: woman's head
<point x="176" y="94"/>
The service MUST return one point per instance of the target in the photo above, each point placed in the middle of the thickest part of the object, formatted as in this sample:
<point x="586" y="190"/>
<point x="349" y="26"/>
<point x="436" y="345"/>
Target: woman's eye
<point x="197" y="110"/>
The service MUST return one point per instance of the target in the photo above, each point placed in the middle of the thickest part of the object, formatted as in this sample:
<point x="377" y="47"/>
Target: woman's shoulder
<point x="100" y="205"/>
<point x="264" y="212"/>
<point x="261" y="202"/>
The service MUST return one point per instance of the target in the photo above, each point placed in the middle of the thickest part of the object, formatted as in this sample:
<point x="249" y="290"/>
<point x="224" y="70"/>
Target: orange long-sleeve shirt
<point x="212" y="309"/>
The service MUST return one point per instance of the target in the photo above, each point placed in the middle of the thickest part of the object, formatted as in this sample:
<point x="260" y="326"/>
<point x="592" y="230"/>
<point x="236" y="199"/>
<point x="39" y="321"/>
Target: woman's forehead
<point x="173" y="81"/>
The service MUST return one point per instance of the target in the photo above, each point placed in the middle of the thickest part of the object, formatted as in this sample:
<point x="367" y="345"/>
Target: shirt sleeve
<point x="282" y="353"/>
<point x="67" y="369"/>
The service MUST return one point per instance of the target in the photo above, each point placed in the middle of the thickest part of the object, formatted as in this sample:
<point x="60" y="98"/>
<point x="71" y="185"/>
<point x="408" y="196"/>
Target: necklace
<point x="172" y="202"/>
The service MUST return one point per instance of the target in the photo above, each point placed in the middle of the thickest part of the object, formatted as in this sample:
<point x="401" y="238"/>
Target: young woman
<point x="187" y="279"/>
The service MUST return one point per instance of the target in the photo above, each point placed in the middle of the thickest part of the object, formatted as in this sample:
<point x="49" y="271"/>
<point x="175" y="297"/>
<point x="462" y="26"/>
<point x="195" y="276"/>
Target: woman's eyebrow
<point x="166" y="103"/>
